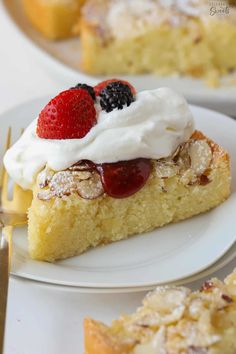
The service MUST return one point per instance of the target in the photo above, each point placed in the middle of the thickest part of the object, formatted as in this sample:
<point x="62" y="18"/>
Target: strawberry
<point x="70" y="115"/>
<point x="99" y="87"/>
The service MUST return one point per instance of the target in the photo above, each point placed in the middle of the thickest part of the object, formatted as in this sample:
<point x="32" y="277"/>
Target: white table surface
<point x="44" y="319"/>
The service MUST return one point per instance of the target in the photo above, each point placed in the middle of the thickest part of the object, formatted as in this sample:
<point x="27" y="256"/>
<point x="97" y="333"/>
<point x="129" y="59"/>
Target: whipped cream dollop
<point x="152" y="127"/>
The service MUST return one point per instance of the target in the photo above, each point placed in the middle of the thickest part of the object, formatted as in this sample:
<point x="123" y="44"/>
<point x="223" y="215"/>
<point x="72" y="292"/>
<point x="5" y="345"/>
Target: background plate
<point x="62" y="58"/>
<point x="164" y="255"/>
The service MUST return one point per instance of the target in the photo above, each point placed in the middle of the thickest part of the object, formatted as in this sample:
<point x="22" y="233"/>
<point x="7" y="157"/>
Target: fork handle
<point x="4" y="278"/>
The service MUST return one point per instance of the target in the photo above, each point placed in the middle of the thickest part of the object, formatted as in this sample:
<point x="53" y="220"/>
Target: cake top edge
<point x="121" y="19"/>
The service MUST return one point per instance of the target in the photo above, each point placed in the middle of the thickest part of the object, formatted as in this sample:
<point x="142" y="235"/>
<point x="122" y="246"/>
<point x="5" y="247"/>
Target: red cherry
<point x="123" y="179"/>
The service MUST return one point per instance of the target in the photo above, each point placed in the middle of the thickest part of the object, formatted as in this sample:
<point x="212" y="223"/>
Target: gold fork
<point x="12" y="213"/>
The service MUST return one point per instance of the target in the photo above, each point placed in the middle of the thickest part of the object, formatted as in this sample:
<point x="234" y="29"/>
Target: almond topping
<point x="166" y="168"/>
<point x="156" y="346"/>
<point x="87" y="184"/>
<point x="64" y="183"/>
<point x="197" y="350"/>
<point x="168" y="304"/>
<point x="200" y="155"/>
<point x="183" y="159"/>
<point x="45" y="177"/>
<point x="91" y="188"/>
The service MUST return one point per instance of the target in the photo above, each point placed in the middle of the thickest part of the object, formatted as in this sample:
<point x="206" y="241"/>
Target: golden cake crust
<point x="97" y="340"/>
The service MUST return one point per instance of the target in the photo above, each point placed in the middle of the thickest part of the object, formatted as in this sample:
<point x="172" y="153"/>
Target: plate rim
<point x="217" y="266"/>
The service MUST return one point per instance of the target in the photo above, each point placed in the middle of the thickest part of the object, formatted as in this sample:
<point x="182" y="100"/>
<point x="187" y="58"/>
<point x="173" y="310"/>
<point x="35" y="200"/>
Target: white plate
<point x="164" y="255"/>
<point x="228" y="259"/>
<point x="62" y="58"/>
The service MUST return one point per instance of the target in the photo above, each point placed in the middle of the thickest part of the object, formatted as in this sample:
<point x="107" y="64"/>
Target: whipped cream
<point x="151" y="127"/>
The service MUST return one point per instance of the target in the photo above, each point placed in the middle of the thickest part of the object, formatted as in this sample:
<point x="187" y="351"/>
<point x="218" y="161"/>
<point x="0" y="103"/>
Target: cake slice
<point x="172" y="320"/>
<point x="163" y="37"/>
<point x="65" y="224"/>
<point x="55" y="19"/>
<point x="105" y="163"/>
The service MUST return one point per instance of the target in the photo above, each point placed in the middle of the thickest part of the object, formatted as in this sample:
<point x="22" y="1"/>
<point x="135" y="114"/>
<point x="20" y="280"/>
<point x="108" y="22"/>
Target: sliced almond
<point x="231" y="282"/>
<point x="81" y="175"/>
<point x="156" y="346"/>
<point x="45" y="195"/>
<point x="200" y="155"/>
<point x="82" y="166"/>
<point x="166" y="168"/>
<point x="87" y="184"/>
<point x="168" y="303"/>
<point x="64" y="183"/>
<point x="188" y="177"/>
<point x="177" y="151"/>
<point x="164" y="298"/>
<point x="44" y="177"/>
<point x="183" y="158"/>
<point x="197" y="350"/>
<point x="196" y="308"/>
<point x="91" y="188"/>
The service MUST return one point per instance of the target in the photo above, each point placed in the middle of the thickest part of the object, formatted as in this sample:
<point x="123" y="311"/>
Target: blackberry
<point x="115" y="95"/>
<point x="87" y="88"/>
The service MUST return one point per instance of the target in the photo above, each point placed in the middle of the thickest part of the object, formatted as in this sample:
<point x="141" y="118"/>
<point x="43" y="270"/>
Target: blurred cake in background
<point x="185" y="37"/>
<point x="165" y="37"/>
<point x="55" y="19"/>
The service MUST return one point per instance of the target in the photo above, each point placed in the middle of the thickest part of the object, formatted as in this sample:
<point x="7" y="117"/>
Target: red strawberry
<point x="99" y="87"/>
<point x="70" y="115"/>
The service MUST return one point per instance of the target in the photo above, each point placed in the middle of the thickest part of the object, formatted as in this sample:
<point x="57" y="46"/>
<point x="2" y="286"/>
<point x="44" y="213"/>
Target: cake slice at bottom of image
<point x="106" y="163"/>
<point x="172" y="320"/>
